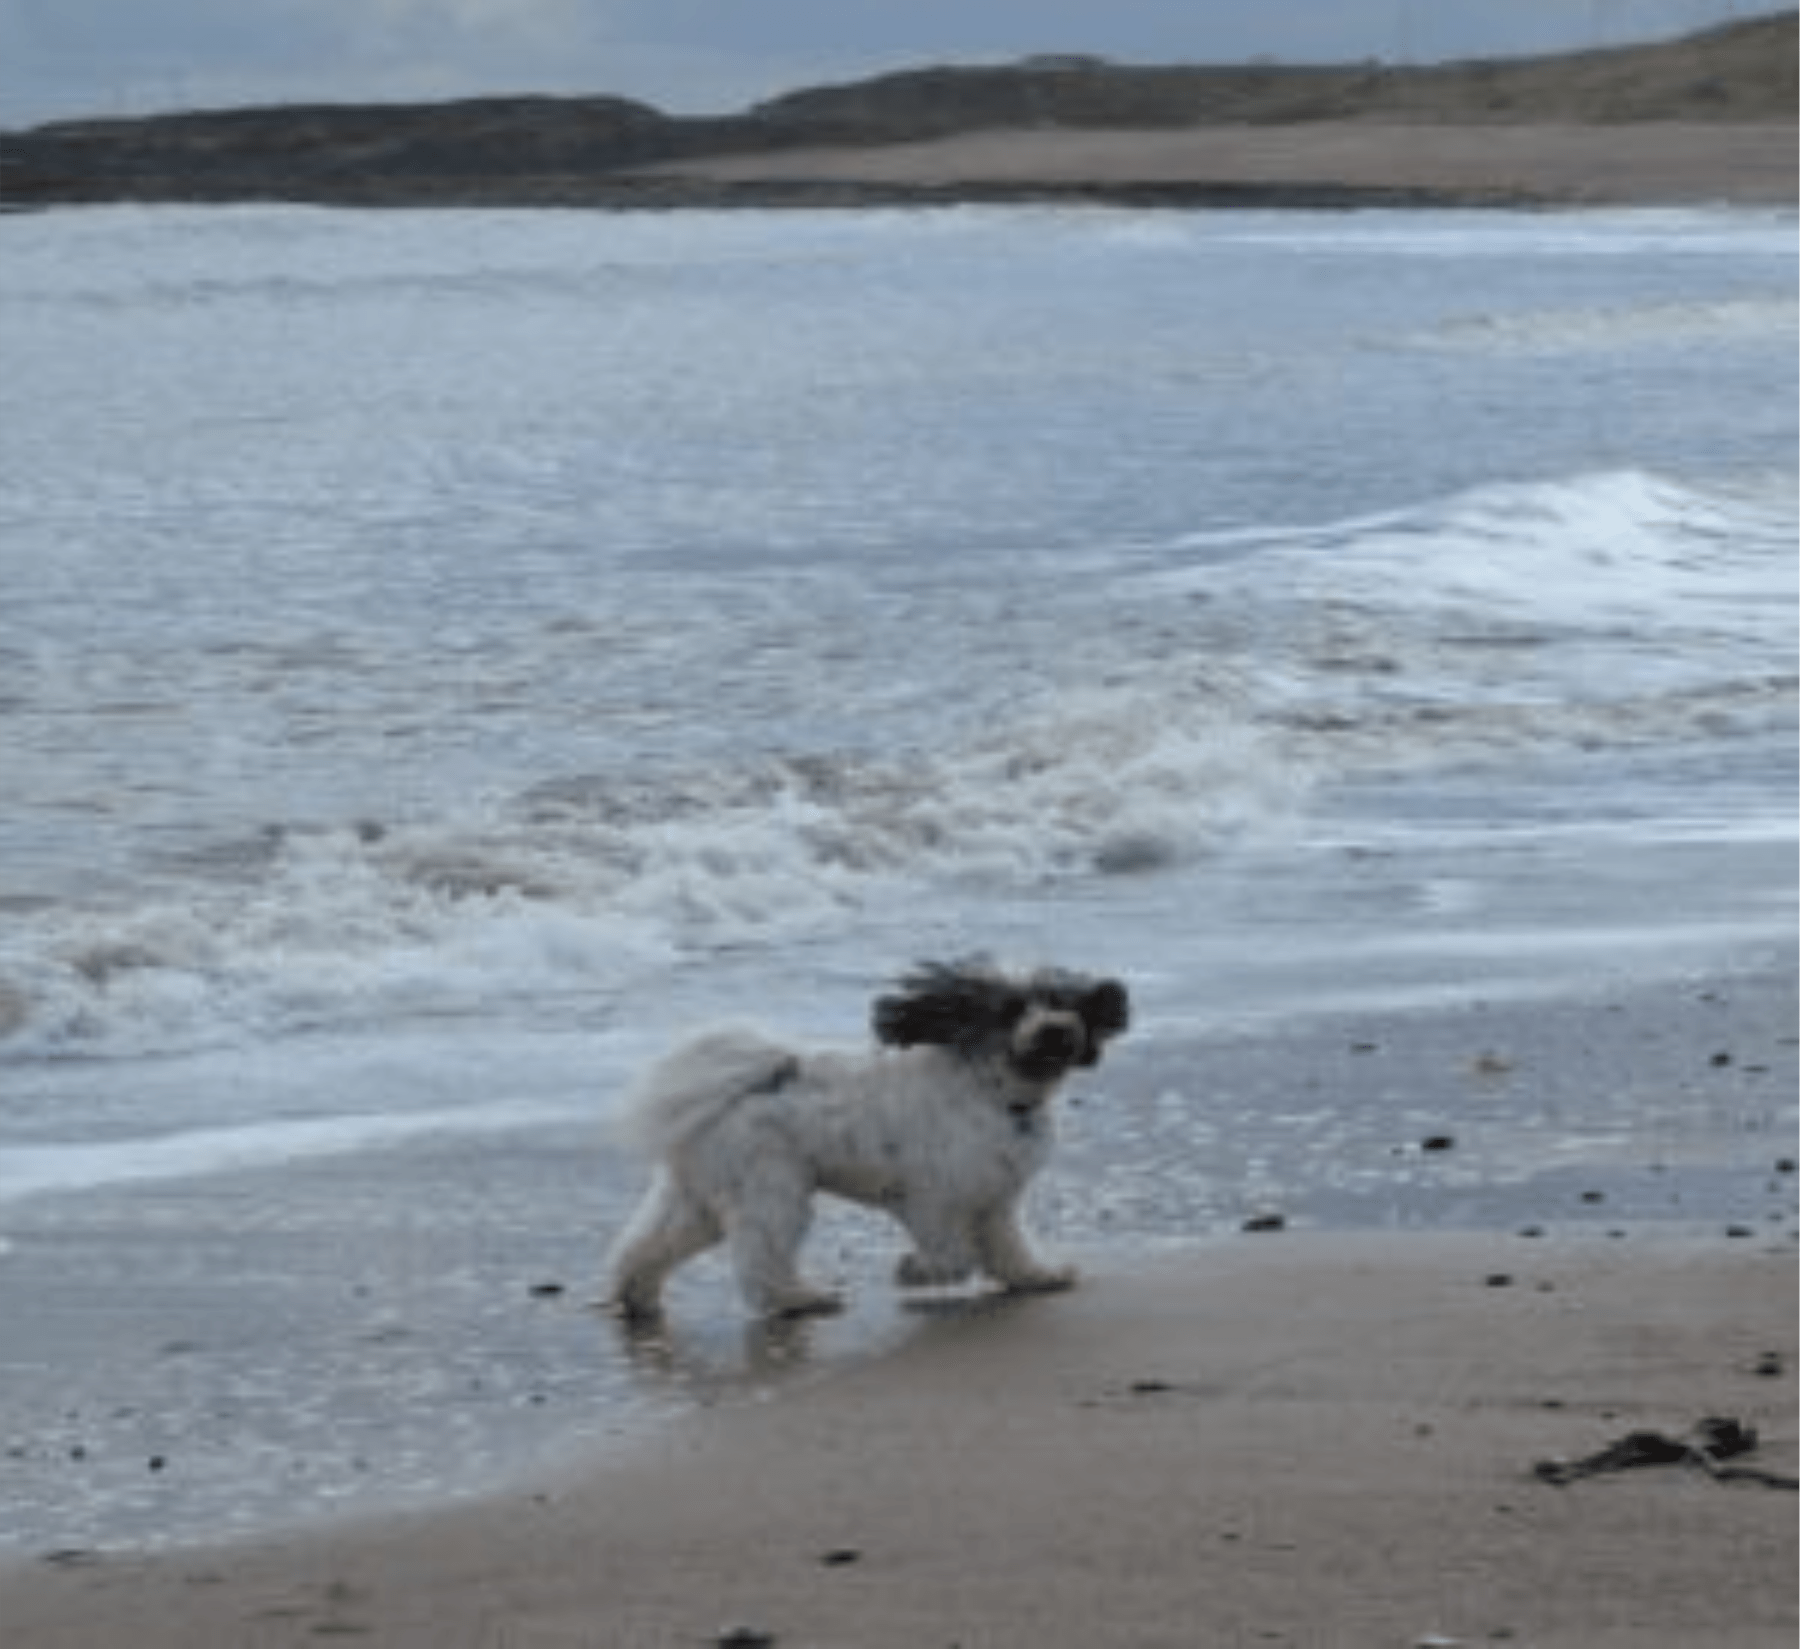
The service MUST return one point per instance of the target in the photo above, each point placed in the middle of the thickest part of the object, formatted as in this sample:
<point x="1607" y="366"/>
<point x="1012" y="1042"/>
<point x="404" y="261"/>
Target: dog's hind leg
<point x="765" y="1225"/>
<point x="670" y="1226"/>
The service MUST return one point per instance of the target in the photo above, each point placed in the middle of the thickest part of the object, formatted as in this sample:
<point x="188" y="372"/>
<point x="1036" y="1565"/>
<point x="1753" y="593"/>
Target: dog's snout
<point x="1052" y="1043"/>
<point x="1057" y="1038"/>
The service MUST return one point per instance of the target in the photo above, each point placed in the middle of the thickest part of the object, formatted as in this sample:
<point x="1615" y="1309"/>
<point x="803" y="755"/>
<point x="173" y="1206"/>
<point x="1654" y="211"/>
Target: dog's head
<point x="1044" y="1023"/>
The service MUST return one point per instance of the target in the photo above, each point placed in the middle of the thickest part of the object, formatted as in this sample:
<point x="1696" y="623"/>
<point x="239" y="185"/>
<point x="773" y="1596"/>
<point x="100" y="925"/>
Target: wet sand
<point x="1290" y="1439"/>
<point x="1317" y="1434"/>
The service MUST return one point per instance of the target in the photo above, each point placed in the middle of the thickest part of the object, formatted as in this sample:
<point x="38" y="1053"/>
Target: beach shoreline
<point x="1268" y="1433"/>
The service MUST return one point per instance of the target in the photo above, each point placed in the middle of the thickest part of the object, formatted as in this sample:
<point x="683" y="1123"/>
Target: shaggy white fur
<point x="942" y="1129"/>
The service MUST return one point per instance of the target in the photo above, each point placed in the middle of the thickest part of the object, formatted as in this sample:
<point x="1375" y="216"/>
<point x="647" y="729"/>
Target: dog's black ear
<point x="947" y="1004"/>
<point x="1106" y="1010"/>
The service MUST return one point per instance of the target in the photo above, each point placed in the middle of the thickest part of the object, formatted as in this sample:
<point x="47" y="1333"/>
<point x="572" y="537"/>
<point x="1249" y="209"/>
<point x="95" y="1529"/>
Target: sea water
<point x="445" y="654"/>
<point x="423" y="633"/>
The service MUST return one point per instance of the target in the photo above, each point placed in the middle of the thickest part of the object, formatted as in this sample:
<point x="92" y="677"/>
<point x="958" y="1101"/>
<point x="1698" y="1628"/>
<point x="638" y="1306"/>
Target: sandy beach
<point x="1642" y="163"/>
<point x="1300" y="1440"/>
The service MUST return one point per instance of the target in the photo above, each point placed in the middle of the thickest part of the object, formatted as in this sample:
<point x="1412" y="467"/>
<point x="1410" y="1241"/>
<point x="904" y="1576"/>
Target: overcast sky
<point x="62" y="58"/>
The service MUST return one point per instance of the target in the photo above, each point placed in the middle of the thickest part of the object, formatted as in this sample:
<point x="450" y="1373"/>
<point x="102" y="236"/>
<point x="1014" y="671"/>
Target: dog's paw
<point x="632" y="1311"/>
<point x="803" y="1302"/>
<point x="915" y="1271"/>
<point x="1045" y="1280"/>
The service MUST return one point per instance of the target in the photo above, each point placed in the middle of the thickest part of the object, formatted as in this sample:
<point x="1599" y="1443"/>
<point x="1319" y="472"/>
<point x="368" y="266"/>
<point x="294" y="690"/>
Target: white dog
<point x="942" y="1128"/>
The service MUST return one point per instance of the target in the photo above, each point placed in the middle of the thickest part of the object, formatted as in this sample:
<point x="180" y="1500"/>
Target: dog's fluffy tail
<point x="692" y="1087"/>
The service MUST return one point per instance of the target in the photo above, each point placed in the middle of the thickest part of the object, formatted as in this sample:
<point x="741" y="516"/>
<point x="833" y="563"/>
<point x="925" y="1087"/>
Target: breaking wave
<point x="581" y="883"/>
<point x="1228" y="678"/>
<point x="1607" y="610"/>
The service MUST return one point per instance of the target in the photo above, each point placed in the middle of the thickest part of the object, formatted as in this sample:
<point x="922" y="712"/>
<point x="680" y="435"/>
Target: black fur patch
<point x="777" y="1079"/>
<point x="963" y="1003"/>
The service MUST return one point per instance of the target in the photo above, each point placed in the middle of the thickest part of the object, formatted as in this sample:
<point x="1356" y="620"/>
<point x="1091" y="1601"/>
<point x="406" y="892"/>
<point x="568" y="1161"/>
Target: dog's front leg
<point x="944" y="1255"/>
<point x="1007" y="1258"/>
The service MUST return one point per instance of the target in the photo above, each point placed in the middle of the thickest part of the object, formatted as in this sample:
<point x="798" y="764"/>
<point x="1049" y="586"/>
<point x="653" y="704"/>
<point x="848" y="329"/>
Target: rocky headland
<point x="1710" y="116"/>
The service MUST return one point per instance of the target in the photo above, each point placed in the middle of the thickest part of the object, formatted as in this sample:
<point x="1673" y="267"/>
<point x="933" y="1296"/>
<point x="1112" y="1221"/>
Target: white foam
<point x="454" y="916"/>
<point x="1626" y="232"/>
<point x="1596" y="550"/>
<point x="1772" y="318"/>
<point x="35" y="1170"/>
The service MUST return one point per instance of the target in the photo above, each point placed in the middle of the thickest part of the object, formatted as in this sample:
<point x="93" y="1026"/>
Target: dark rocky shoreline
<point x="677" y="193"/>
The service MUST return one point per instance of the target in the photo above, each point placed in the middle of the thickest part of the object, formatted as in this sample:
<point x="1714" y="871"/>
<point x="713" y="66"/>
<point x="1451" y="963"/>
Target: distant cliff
<point x="593" y="150"/>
